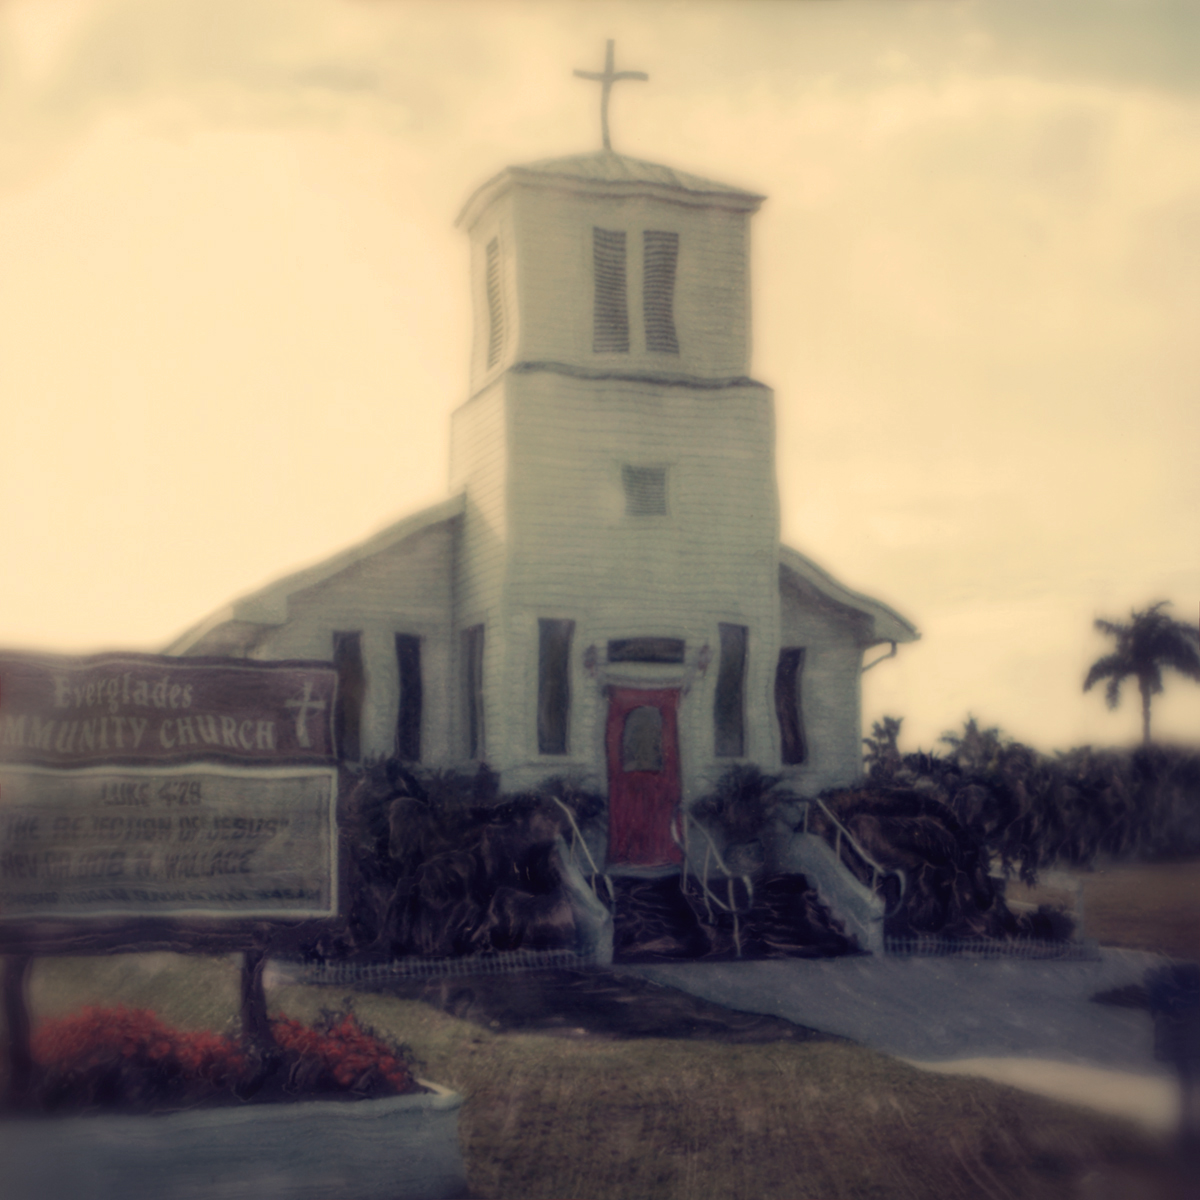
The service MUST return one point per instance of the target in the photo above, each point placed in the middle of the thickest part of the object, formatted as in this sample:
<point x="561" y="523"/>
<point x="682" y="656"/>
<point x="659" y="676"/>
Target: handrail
<point x="577" y="838"/>
<point x="876" y="869"/>
<point x="710" y="897"/>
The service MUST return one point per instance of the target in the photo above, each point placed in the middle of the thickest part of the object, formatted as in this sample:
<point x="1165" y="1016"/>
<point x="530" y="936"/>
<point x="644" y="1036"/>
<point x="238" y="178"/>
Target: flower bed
<point x="127" y="1060"/>
<point x="125" y="1108"/>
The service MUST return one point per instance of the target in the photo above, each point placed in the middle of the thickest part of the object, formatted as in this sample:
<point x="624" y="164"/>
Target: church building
<point x="603" y="595"/>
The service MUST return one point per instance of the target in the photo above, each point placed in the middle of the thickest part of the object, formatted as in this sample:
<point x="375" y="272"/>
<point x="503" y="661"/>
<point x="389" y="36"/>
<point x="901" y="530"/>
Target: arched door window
<point x="641" y="740"/>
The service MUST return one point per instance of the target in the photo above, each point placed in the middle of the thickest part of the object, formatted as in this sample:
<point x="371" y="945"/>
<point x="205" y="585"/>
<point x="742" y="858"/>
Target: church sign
<point x="142" y="709"/>
<point x="141" y="786"/>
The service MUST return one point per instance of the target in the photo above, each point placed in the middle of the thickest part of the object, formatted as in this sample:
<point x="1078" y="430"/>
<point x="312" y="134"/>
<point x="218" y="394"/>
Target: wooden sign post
<point x="153" y="803"/>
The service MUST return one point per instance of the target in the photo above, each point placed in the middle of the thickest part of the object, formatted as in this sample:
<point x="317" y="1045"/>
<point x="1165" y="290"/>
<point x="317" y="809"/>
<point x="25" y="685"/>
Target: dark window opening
<point x="788" y="676"/>
<point x="660" y="252"/>
<point x="641" y="740"/>
<point x="646" y="649"/>
<point x="554" y="685"/>
<point x="729" y="716"/>
<point x="495" y="300"/>
<point x="610" y="328"/>
<point x="351" y="689"/>
<point x="645" y="491"/>
<point x="472" y="659"/>
<point x="408" y="718"/>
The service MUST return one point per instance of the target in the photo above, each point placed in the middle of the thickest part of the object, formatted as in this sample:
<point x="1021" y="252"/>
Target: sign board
<point x="144" y="709"/>
<point x="141" y="786"/>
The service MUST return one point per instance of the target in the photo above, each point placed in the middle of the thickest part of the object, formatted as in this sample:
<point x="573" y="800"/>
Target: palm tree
<point x="1150" y="641"/>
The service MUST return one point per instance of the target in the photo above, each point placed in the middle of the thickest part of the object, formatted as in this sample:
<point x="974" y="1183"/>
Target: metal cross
<point x="302" y="706"/>
<point x="606" y="79"/>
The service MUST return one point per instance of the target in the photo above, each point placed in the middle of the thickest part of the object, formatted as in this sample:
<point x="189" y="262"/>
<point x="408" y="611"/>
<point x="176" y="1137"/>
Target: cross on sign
<point x="606" y="79"/>
<point x="302" y="706"/>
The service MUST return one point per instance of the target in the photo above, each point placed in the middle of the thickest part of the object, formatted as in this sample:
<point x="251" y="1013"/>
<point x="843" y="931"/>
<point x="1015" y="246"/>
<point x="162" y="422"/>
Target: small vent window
<point x="610" y="332"/>
<point x="495" y="299"/>
<point x="645" y="491"/>
<point x="660" y="252"/>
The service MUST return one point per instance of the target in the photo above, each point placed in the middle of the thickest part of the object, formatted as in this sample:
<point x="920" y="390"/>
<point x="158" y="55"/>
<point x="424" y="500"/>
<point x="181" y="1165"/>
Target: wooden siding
<point x="830" y="697"/>
<point x="480" y="467"/>
<point x="405" y="589"/>
<point x="573" y="553"/>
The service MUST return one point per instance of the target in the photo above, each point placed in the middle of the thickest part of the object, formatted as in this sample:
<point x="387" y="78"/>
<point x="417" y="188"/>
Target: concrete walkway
<point x="1027" y="1023"/>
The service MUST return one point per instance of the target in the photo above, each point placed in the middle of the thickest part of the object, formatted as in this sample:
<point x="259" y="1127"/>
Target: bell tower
<point x="617" y="463"/>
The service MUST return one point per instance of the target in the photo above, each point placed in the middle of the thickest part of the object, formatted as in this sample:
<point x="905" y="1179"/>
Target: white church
<point x="603" y="595"/>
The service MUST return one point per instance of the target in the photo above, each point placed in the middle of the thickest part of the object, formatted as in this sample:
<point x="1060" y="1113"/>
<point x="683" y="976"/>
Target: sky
<point x="234" y="311"/>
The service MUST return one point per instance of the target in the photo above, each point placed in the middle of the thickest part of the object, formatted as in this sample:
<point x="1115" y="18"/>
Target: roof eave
<point x="488" y="193"/>
<point x="887" y="624"/>
<point x="269" y="605"/>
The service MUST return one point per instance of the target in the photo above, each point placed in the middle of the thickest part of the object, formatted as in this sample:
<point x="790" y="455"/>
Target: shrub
<point x="1033" y="810"/>
<point x="127" y="1059"/>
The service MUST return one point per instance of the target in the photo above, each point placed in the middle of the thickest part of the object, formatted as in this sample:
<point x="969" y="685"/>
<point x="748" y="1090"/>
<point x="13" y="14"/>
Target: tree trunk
<point x="1144" y="688"/>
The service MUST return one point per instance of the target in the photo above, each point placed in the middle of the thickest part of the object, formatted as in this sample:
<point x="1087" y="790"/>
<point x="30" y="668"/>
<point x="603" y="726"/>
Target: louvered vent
<point x="610" y="333"/>
<point x="645" y="491"/>
<point x="495" y="301"/>
<point x="660" y="252"/>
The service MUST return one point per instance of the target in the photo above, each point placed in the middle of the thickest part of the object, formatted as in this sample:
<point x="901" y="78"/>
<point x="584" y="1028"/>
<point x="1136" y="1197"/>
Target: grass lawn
<point x="558" y="1117"/>
<point x="1141" y="906"/>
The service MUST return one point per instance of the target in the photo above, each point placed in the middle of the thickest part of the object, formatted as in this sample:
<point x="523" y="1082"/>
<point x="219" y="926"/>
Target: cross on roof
<point x="606" y="79"/>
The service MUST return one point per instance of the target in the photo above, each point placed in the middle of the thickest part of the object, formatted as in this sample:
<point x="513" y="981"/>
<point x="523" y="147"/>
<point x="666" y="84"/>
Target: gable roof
<point x="608" y="173"/>
<point x="269" y="605"/>
<point x="887" y="624"/>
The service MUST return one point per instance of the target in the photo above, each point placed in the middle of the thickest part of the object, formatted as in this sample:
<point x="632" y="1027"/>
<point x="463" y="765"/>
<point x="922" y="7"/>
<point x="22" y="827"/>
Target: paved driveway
<point x="935" y="1009"/>
<point x="1027" y="1023"/>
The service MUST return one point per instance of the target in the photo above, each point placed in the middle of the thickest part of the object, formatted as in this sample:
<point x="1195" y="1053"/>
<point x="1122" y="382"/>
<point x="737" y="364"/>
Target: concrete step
<point x="848" y="899"/>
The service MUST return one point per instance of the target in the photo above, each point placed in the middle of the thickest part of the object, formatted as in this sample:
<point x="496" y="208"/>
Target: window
<point x="472" y="666"/>
<point x="729" y="717"/>
<point x="788" y="674"/>
<point x="554" y="685"/>
<point x="408" y="718"/>
<point x="641" y="740"/>
<point x="646" y="649"/>
<point x="610" y="330"/>
<point x="495" y="300"/>
<point x="645" y="491"/>
<point x="660" y="252"/>
<point x="351" y="688"/>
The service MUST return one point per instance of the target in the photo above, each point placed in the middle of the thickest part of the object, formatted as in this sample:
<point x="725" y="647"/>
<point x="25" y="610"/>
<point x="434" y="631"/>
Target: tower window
<point x="788" y="674"/>
<point x="351" y="688"/>
<point x="660" y="252"/>
<point x="408" y="718"/>
<point x="645" y="491"/>
<point x="554" y="685"/>
<point x="472" y="667"/>
<point x="729" y="707"/>
<point x="495" y="300"/>
<point x="610" y="331"/>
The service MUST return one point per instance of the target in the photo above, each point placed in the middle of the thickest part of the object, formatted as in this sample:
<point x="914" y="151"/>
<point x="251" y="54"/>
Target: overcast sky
<point x="234" y="310"/>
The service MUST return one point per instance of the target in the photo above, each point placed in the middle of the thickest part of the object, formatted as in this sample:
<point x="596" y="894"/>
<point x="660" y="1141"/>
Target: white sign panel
<point x="202" y="841"/>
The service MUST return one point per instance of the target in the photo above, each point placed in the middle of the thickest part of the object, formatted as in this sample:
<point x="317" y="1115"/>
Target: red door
<point x="643" y="775"/>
